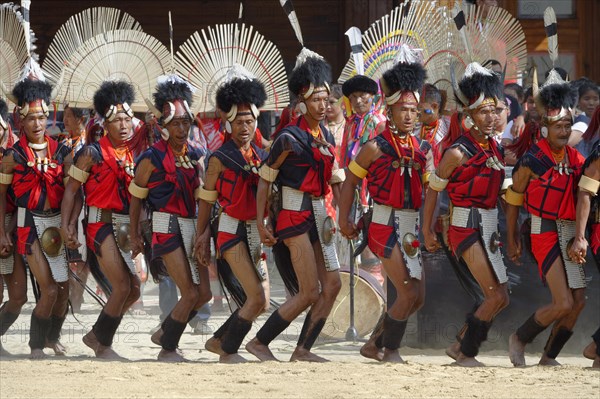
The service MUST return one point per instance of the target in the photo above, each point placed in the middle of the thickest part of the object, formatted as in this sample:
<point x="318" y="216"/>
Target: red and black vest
<point x="388" y="181"/>
<point x="32" y="187"/>
<point x="237" y="184"/>
<point x="171" y="188"/>
<point x="552" y="195"/>
<point x="305" y="168"/>
<point x="475" y="183"/>
<point x="107" y="186"/>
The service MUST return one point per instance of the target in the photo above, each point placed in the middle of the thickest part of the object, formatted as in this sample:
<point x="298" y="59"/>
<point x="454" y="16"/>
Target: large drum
<point x="369" y="305"/>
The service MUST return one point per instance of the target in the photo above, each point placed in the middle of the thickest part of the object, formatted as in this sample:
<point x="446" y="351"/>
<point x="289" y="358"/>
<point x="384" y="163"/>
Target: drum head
<point x="369" y="305"/>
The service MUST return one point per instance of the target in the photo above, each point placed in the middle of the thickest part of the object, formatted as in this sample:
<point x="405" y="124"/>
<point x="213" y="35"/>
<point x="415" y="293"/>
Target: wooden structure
<point x="323" y="24"/>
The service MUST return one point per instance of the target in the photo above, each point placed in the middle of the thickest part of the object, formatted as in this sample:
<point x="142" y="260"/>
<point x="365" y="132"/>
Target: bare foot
<point x="516" y="351"/>
<point x="596" y="364"/>
<point x="175" y="356"/>
<point x="262" y="352"/>
<point x="453" y="350"/>
<point x="101" y="351"/>
<point x="214" y="345"/>
<point x="303" y="355"/>
<point x="371" y="351"/>
<point x="58" y="348"/>
<point x="37" y="354"/>
<point x="590" y="351"/>
<point x="464" y="361"/>
<point x="232" y="358"/>
<point x="392" y="356"/>
<point x="155" y="338"/>
<point x="546" y="361"/>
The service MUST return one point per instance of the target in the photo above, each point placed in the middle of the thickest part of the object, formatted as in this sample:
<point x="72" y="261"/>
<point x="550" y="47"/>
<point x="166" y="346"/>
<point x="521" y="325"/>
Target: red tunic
<point x="171" y="190"/>
<point x="474" y="184"/>
<point x="389" y="183"/>
<point x="33" y="188"/>
<point x="551" y="196"/>
<point x="236" y="186"/>
<point x="305" y="168"/>
<point x="106" y="188"/>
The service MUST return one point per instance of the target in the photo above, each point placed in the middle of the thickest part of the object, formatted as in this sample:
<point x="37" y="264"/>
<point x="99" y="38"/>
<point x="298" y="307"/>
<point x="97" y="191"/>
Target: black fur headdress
<point x="112" y="93"/>
<point x="240" y="91"/>
<point x="30" y="90"/>
<point x="359" y="83"/>
<point x="403" y="77"/>
<point x="170" y="91"/>
<point x="558" y="95"/>
<point x="477" y="81"/>
<point x="310" y="68"/>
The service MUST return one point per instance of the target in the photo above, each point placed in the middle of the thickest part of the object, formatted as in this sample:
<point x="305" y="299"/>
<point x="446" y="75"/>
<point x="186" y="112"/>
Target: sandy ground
<point x="428" y="373"/>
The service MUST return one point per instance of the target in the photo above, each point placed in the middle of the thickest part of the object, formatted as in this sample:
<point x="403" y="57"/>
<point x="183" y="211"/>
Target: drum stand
<point x="351" y="333"/>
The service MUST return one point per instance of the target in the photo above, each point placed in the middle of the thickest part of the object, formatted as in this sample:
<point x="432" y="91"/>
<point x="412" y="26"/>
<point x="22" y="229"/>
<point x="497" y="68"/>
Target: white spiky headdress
<point x="206" y="58"/>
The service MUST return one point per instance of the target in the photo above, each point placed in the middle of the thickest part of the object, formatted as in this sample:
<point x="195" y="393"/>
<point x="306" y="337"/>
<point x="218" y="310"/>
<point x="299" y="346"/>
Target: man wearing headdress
<point x="393" y="166"/>
<point x="34" y="170"/>
<point x="472" y="172"/>
<point x="302" y="164"/>
<point x="167" y="178"/>
<point x="105" y="170"/>
<point x="12" y="268"/>
<point x="545" y="183"/>
<point x="231" y="182"/>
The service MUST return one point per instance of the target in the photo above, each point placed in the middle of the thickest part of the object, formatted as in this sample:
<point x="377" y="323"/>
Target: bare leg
<point x="495" y="299"/>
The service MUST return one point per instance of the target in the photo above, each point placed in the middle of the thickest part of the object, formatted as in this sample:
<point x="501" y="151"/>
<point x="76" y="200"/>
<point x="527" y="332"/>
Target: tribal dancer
<point x="33" y="169"/>
<point x="12" y="268"/>
<point x="231" y="180"/>
<point x="105" y="169"/>
<point x="166" y="178"/>
<point x="545" y="183"/>
<point x="393" y="166"/>
<point x="302" y="163"/>
<point x="472" y="172"/>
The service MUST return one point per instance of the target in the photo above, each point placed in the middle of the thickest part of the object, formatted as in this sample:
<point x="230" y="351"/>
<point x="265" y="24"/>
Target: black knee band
<point x="596" y="338"/>
<point x="237" y="331"/>
<point x="310" y="331"/>
<point x="105" y="328"/>
<point x="172" y="331"/>
<point x="393" y="332"/>
<point x="556" y="341"/>
<point x="476" y="333"/>
<point x="7" y="319"/>
<point x="38" y="331"/>
<point x="274" y="326"/>
<point x="223" y="329"/>
<point x="529" y="330"/>
<point x="55" y="328"/>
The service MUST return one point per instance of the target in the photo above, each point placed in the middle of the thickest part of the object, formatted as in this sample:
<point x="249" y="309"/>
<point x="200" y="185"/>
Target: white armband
<point x="437" y="183"/>
<point x="267" y="173"/>
<point x="588" y="184"/>
<point x="6" y="178"/>
<point x="338" y="176"/>
<point x="137" y="191"/>
<point x="209" y="196"/>
<point x="78" y="174"/>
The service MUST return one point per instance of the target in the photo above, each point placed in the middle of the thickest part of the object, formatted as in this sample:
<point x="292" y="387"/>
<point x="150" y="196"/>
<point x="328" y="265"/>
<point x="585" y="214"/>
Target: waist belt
<point x="228" y="224"/>
<point x="296" y="200"/>
<point x="540" y="225"/>
<point x="166" y="223"/>
<point x="99" y="215"/>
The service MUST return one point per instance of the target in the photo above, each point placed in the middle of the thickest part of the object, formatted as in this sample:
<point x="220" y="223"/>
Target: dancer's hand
<point x="6" y="245"/>
<point x="348" y="229"/>
<point x="431" y="242"/>
<point x="69" y="236"/>
<point x="514" y="250"/>
<point x="578" y="250"/>
<point x="137" y="245"/>
<point x="266" y="234"/>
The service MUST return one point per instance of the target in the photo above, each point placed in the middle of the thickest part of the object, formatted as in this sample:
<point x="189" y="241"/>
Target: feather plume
<point x="355" y="39"/>
<point x="128" y="55"/>
<point x="205" y="58"/>
<point x="288" y="7"/>
<point x="551" y="33"/>
<point x="13" y="47"/>
<point x="79" y="29"/>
